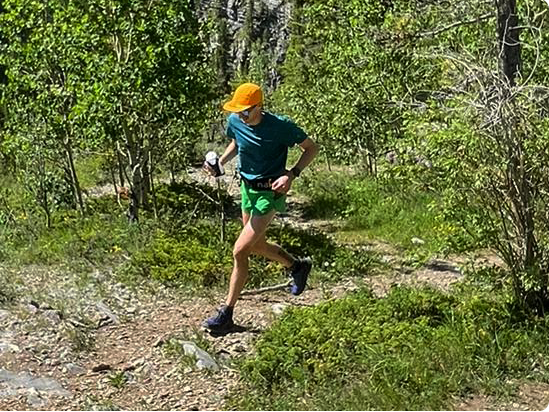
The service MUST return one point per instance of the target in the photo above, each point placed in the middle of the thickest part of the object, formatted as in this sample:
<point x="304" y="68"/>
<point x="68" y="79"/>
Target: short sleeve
<point x="293" y="134"/>
<point x="229" y="131"/>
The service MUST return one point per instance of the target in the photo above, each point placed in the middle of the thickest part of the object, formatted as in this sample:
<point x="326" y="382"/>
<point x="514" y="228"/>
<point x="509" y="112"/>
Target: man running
<point x="261" y="141"/>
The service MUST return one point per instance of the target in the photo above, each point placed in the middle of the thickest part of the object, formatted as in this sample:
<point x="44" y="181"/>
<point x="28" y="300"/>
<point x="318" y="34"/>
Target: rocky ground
<point x="117" y="348"/>
<point x="71" y="339"/>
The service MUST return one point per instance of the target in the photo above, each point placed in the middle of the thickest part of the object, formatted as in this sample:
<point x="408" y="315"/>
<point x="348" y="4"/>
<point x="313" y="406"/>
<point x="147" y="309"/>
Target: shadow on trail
<point x="235" y="329"/>
<point x="442" y="266"/>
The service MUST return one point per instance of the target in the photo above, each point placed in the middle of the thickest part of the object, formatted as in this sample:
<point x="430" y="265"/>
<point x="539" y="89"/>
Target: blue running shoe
<point x="300" y="273"/>
<point x="223" y="321"/>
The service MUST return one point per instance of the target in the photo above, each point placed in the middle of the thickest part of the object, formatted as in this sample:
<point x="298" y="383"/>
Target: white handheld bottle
<point x="213" y="160"/>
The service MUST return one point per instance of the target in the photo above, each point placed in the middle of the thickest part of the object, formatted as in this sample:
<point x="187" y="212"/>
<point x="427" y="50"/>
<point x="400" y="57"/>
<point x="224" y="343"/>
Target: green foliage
<point x="102" y="236"/>
<point x="395" y="207"/>
<point x="492" y="175"/>
<point x="195" y="256"/>
<point x="99" y="75"/>
<point x="45" y="71"/>
<point x="535" y="42"/>
<point x="332" y="261"/>
<point x="185" y="262"/>
<point x="188" y="200"/>
<point x="118" y="379"/>
<point x="413" y="350"/>
<point x="93" y="170"/>
<point x="186" y="248"/>
<point x="353" y="69"/>
<point x="8" y="293"/>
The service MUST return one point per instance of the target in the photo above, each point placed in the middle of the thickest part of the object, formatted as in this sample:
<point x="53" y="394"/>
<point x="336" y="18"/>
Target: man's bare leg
<point x="253" y="231"/>
<point x="274" y="252"/>
<point x="270" y="250"/>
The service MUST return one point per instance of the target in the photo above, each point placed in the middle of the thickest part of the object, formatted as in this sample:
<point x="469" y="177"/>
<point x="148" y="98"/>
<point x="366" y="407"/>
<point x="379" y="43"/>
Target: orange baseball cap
<point x="245" y="96"/>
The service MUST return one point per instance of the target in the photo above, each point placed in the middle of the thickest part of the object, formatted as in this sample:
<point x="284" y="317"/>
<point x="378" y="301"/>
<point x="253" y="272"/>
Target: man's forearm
<point x="229" y="154"/>
<point x="307" y="157"/>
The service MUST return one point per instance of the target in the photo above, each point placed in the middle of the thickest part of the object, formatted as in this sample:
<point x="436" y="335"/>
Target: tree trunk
<point x="43" y="193"/>
<point x="136" y="165"/>
<point x="508" y="37"/>
<point x="151" y="186"/>
<point x="530" y="282"/>
<point x="73" y="175"/>
<point x="145" y="179"/>
<point x="133" y="212"/>
<point x="120" y="164"/>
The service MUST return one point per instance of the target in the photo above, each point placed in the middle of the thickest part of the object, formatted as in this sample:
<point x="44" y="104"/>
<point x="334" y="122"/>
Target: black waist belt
<point x="259" y="184"/>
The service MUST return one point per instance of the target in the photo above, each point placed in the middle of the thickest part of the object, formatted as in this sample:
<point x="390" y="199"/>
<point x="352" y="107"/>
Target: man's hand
<point x="208" y="169"/>
<point x="283" y="183"/>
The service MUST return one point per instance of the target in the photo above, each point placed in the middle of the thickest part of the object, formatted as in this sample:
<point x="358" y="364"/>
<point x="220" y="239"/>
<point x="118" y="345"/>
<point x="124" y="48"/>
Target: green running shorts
<point x="261" y="202"/>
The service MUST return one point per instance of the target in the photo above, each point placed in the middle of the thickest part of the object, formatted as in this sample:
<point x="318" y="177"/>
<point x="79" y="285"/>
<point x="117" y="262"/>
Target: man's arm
<point x="230" y="153"/>
<point x="310" y="150"/>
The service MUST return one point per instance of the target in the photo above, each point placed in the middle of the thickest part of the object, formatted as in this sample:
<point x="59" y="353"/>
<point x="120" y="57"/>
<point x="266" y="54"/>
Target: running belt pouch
<point x="259" y="184"/>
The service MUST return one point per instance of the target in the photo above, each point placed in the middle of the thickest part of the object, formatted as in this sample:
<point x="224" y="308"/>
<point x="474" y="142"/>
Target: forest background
<point x="432" y="119"/>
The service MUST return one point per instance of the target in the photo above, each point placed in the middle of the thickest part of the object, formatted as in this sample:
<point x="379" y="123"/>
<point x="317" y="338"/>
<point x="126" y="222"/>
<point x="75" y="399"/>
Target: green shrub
<point x="327" y="192"/>
<point x="393" y="207"/>
<point x="333" y="261"/>
<point x="183" y="262"/>
<point x="186" y="249"/>
<point x="195" y="256"/>
<point x="104" y="232"/>
<point x="93" y="170"/>
<point x="181" y="247"/>
<point x="190" y="200"/>
<point x="413" y="350"/>
<point x="97" y="237"/>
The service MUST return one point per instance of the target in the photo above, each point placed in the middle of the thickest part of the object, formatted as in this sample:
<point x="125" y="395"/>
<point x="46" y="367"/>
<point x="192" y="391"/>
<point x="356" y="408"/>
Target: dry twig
<point x="280" y="286"/>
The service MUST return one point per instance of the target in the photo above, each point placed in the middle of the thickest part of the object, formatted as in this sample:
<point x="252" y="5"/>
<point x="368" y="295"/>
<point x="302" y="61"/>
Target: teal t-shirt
<point x="263" y="149"/>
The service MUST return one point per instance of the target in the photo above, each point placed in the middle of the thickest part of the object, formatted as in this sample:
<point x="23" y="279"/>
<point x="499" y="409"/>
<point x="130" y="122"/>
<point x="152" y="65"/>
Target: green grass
<point x="416" y="349"/>
<point x="92" y="170"/>
<point x="395" y="219"/>
<point x="195" y="256"/>
<point x="382" y="209"/>
<point x="96" y="238"/>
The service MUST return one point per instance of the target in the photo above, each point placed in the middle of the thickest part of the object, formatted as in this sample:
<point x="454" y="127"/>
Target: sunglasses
<point x="248" y="111"/>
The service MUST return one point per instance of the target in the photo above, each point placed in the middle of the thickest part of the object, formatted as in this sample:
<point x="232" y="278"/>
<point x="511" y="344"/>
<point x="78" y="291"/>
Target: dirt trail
<point x="130" y="366"/>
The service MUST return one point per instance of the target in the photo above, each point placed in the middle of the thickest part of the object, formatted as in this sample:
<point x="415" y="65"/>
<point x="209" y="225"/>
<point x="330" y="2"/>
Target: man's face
<point x="251" y="115"/>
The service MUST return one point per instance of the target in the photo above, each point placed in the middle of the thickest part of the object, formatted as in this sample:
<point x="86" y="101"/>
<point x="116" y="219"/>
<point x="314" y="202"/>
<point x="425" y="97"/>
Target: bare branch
<point x="280" y="286"/>
<point x="456" y="24"/>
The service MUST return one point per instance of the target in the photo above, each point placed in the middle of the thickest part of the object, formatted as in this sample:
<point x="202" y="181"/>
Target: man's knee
<point x="242" y="251"/>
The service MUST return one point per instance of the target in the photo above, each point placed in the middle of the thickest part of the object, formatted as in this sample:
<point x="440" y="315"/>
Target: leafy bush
<point x="185" y="261"/>
<point x="104" y="232"/>
<point x="195" y="256"/>
<point x="327" y="192"/>
<point x="102" y="235"/>
<point x="187" y="250"/>
<point x="93" y="170"/>
<point x="413" y="350"/>
<point x="190" y="200"/>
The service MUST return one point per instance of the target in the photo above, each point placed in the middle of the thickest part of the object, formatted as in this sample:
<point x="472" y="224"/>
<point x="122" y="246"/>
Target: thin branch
<point x="280" y="286"/>
<point x="207" y="196"/>
<point x="456" y="24"/>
